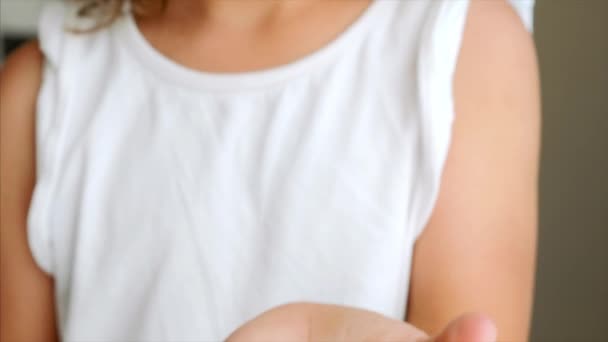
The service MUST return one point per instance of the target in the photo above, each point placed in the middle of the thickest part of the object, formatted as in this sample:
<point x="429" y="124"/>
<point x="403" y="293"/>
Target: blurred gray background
<point x="571" y="302"/>
<point x="572" y="280"/>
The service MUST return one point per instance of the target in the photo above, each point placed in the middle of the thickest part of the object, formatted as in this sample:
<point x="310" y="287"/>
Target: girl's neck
<point x="235" y="14"/>
<point x="246" y="35"/>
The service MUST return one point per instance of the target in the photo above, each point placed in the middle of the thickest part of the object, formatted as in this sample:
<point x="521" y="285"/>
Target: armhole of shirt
<point x="51" y="40"/>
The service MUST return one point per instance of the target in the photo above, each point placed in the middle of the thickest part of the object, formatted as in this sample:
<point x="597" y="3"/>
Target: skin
<point x="26" y="293"/>
<point x="476" y="254"/>
<point x="264" y="31"/>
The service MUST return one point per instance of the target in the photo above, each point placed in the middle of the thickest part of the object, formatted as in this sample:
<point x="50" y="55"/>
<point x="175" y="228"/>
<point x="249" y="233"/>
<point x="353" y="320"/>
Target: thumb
<point x="473" y="327"/>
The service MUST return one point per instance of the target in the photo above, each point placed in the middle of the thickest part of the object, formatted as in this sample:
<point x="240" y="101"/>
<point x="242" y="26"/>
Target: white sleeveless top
<point x="174" y="205"/>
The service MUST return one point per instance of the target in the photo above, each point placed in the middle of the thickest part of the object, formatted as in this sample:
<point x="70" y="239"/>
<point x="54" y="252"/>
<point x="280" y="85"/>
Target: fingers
<point x="472" y="327"/>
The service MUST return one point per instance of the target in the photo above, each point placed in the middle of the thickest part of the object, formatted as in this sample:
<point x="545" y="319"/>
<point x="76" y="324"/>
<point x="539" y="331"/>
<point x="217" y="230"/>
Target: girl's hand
<point x="303" y="322"/>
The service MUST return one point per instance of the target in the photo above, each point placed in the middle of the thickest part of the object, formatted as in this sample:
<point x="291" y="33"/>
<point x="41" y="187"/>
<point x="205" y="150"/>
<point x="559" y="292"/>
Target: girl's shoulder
<point x="62" y="28"/>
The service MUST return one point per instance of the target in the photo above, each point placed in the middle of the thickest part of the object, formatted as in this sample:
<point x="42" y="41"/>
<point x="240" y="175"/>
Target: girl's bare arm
<point x="478" y="250"/>
<point x="27" y="312"/>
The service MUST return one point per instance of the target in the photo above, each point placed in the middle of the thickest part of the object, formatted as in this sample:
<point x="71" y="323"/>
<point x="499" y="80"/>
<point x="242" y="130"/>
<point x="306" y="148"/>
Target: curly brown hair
<point x="105" y="12"/>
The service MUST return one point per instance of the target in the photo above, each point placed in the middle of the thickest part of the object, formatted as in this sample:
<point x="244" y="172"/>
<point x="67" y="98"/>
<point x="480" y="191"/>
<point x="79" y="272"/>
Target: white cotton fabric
<point x="174" y="205"/>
